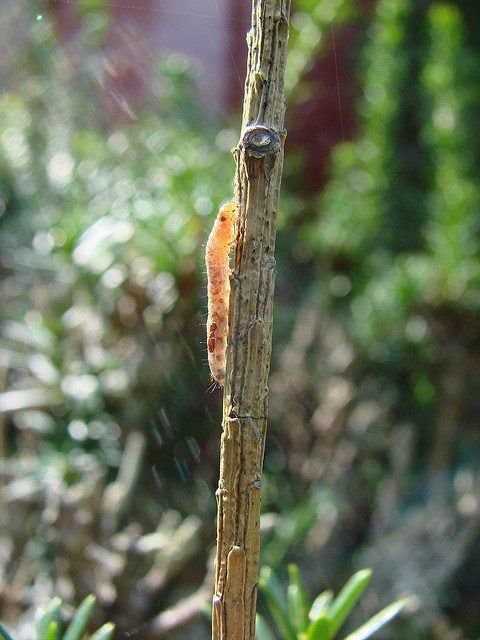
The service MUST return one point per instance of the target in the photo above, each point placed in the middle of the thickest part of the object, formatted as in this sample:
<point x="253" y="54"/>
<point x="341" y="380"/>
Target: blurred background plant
<point x="50" y="627"/>
<point x="113" y="161"/>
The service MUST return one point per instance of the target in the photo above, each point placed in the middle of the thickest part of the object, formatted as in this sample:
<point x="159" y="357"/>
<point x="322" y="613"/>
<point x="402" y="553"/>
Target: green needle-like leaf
<point x="79" y="623"/>
<point x="348" y="598"/>
<point x="297" y="600"/>
<point x="272" y="591"/>
<point x="296" y="610"/>
<point x="104" y="633"/>
<point x="51" y="614"/>
<point x="320" y="629"/>
<point x="378" y="621"/>
<point x="4" y="634"/>
<point x="320" y="604"/>
<point x="51" y="632"/>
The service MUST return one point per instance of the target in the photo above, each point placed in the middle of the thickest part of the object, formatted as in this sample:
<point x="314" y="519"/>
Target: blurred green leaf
<point x="273" y="592"/>
<point x="49" y="623"/>
<point x="347" y="599"/>
<point x="52" y="632"/>
<point x="80" y="620"/>
<point x="378" y="621"/>
<point x="4" y="634"/>
<point x="320" y="628"/>
<point x="297" y="600"/>
<point x="321" y="604"/>
<point x="104" y="633"/>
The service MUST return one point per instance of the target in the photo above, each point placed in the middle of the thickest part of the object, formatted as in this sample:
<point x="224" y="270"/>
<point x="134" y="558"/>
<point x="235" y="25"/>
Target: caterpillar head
<point x="228" y="213"/>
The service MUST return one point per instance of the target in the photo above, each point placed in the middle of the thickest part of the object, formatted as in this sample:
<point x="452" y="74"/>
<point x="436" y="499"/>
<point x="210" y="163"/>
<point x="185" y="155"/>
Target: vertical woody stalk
<point x="259" y="159"/>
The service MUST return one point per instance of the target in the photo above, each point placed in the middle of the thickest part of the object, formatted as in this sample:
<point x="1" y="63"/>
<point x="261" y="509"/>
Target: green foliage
<point x="101" y="241"/>
<point x="49" y="624"/>
<point x="310" y="25"/>
<point x="4" y="633"/>
<point x="447" y="272"/>
<point x="297" y="618"/>
<point x="354" y="203"/>
<point x="398" y="222"/>
<point x="452" y="232"/>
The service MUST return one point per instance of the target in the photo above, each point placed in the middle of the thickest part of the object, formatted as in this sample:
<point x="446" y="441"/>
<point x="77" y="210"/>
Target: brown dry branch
<point x="259" y="159"/>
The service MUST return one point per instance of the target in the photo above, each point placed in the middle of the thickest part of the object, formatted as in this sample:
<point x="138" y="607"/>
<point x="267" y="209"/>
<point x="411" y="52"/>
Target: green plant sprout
<point x="49" y="625"/>
<point x="297" y="618"/>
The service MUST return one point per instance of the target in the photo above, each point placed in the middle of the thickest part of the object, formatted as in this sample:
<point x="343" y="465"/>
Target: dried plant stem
<point x="259" y="159"/>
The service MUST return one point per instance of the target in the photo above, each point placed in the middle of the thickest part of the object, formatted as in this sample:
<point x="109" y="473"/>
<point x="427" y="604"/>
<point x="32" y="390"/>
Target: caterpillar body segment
<point x="218" y="277"/>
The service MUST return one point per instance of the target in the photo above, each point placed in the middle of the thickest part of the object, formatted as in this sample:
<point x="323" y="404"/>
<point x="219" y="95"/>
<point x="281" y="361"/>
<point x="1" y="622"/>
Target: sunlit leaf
<point x="104" y="633"/>
<point x="28" y="399"/>
<point x="50" y="615"/>
<point x="378" y="621"/>
<point x="81" y="619"/>
<point x="52" y="632"/>
<point x="320" y="604"/>
<point x="348" y="598"/>
<point x="320" y="629"/>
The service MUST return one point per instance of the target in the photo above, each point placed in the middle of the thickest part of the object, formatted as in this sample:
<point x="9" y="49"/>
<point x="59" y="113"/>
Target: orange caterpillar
<point x="218" y="275"/>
